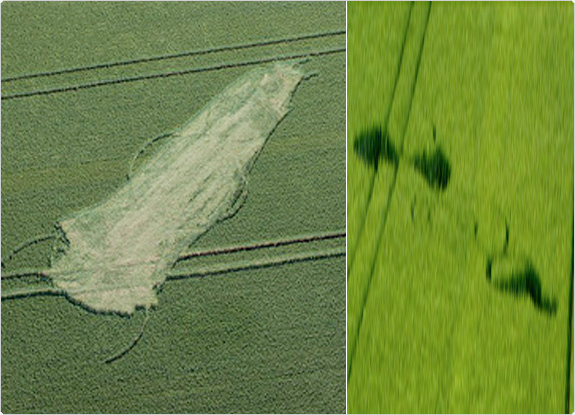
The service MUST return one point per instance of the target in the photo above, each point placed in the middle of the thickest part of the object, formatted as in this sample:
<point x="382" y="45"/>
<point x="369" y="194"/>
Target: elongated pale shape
<point x="120" y="250"/>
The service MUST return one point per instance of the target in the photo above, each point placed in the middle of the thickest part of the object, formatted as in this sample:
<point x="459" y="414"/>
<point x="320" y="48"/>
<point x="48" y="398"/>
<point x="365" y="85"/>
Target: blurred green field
<point x="264" y="340"/>
<point x="491" y="85"/>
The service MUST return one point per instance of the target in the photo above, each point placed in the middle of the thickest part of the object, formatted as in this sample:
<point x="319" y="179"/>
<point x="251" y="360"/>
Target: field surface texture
<point x="252" y="316"/>
<point x="460" y="207"/>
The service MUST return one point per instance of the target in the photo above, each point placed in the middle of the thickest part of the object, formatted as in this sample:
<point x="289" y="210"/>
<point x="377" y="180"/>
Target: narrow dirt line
<point x="372" y="185"/>
<point x="170" y="74"/>
<point x="224" y="48"/>
<point x="386" y="212"/>
<point x="263" y="245"/>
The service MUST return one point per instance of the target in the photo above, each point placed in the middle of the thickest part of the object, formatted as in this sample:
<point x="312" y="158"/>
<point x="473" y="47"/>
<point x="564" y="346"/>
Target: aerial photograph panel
<point x="460" y="207"/>
<point x="173" y="207"/>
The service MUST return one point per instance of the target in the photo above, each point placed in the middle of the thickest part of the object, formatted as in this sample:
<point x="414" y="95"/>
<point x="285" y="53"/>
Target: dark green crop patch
<point x="435" y="168"/>
<point x="373" y="144"/>
<point x="524" y="281"/>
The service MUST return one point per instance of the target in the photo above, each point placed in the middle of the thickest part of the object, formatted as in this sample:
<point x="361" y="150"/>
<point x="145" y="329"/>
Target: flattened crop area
<point x="252" y="316"/>
<point x="460" y="208"/>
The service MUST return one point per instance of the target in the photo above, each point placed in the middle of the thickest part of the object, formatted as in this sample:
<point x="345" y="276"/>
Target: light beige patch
<point x="120" y="250"/>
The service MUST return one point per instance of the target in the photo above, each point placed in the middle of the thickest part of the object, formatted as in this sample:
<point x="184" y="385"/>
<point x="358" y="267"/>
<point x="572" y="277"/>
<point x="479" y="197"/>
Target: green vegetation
<point x="260" y="339"/>
<point x="491" y="87"/>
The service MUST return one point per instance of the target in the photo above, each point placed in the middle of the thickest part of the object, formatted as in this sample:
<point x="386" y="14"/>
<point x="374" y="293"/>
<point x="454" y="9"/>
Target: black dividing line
<point x="170" y="74"/>
<point x="386" y="213"/>
<point x="287" y="261"/>
<point x="370" y="194"/>
<point x="272" y="244"/>
<point x="570" y="335"/>
<point x="175" y="55"/>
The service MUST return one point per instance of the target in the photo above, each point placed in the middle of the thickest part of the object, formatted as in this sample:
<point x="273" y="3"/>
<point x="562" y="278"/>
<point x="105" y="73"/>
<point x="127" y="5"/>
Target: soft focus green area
<point x="433" y="335"/>
<point x="269" y="340"/>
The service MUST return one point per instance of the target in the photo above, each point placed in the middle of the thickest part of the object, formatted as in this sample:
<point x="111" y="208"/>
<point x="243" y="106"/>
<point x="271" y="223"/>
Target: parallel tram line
<point x="373" y="179"/>
<point x="386" y="213"/>
<point x="176" y="274"/>
<point x="218" y="67"/>
<point x="269" y="244"/>
<point x="175" y="55"/>
<point x="201" y="272"/>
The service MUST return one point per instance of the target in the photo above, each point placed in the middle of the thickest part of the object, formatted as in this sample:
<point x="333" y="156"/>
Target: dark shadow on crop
<point x="526" y="282"/>
<point x="435" y="168"/>
<point x="373" y="144"/>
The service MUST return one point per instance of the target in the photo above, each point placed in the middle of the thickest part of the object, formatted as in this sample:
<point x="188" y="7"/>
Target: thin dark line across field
<point x="211" y="252"/>
<point x="389" y="198"/>
<point x="315" y="256"/>
<point x="176" y="55"/>
<point x="173" y="73"/>
<point x="369" y="195"/>
<point x="271" y="244"/>
<point x="202" y="272"/>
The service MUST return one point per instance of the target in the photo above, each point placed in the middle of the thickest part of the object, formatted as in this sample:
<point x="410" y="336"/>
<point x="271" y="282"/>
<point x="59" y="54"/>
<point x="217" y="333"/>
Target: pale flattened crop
<point x="114" y="255"/>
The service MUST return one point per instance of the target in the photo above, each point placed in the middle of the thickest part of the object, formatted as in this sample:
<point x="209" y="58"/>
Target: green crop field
<point x="460" y="218"/>
<point x="84" y="87"/>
